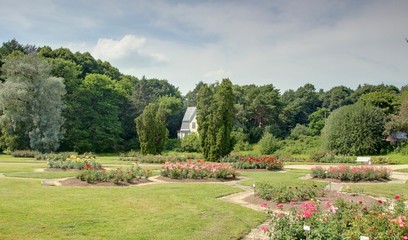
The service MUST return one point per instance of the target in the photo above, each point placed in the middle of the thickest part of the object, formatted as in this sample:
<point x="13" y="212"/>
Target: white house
<point x="189" y="124"/>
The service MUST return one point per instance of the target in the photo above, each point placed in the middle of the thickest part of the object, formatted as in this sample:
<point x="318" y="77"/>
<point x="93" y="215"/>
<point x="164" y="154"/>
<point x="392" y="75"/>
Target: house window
<point x="193" y="125"/>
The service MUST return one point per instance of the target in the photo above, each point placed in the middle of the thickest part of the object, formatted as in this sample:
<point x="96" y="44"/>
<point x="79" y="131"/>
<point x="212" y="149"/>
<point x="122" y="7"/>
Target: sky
<point x="287" y="43"/>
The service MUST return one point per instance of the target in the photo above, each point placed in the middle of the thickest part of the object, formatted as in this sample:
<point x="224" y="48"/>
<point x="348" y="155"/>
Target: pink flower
<point x="325" y="219"/>
<point x="397" y="197"/>
<point x="264" y="228"/>
<point x="405" y="238"/>
<point x="264" y="204"/>
<point x="292" y="203"/>
<point x="280" y="205"/>
<point x="280" y="214"/>
<point x="333" y="209"/>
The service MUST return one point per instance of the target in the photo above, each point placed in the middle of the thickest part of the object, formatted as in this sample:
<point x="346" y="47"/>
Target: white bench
<point x="366" y="160"/>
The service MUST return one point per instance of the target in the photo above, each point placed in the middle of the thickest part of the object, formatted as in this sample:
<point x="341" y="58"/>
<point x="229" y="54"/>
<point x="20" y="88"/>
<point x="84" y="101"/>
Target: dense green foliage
<point x="31" y="104"/>
<point x="268" y="144"/>
<point x="215" y="119"/>
<point x="355" y="130"/>
<point x="151" y="127"/>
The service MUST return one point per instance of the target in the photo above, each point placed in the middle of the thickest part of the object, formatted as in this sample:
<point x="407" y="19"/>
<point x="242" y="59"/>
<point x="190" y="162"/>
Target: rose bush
<point x="72" y="161"/>
<point x="265" y="162"/>
<point x="355" y="174"/>
<point x="197" y="170"/>
<point x="92" y="174"/>
<point x="341" y="220"/>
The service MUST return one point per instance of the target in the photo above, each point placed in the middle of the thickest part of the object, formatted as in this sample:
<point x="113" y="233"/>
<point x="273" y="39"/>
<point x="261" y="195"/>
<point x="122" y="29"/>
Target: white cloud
<point x="110" y="49"/>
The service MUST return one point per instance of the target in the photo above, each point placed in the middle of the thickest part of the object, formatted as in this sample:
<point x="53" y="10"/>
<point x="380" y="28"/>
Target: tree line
<point x="57" y="100"/>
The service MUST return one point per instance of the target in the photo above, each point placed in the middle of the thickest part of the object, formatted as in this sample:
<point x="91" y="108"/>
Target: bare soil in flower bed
<point x="329" y="196"/>
<point x="166" y="179"/>
<point x="74" y="182"/>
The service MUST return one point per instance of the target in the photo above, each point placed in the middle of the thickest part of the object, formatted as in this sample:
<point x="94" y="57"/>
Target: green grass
<point x="382" y="189"/>
<point x="288" y="177"/>
<point x="164" y="211"/>
<point x="404" y="170"/>
<point x="42" y="175"/>
<point x="10" y="159"/>
<point x="19" y="167"/>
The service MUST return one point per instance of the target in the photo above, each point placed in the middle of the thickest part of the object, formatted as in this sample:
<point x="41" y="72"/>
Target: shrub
<point x="240" y="140"/>
<point x="303" y="145"/>
<point x="383" y="160"/>
<point x="24" y="154"/>
<point x="355" y="174"/>
<point x="355" y="130"/>
<point x="136" y="157"/>
<point x="283" y="194"/>
<point x="265" y="162"/>
<point x="330" y="157"/>
<point x="341" y="220"/>
<point x="198" y="170"/>
<point x="190" y="143"/>
<point x="92" y="174"/>
<point x="268" y="144"/>
<point x="172" y="144"/>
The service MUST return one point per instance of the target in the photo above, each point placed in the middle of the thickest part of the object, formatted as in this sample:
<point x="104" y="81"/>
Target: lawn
<point x="289" y="177"/>
<point x="163" y="211"/>
<point x="382" y="189"/>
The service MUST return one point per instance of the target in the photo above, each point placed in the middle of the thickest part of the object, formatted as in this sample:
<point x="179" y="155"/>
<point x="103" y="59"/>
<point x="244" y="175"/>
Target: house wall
<point x="194" y="125"/>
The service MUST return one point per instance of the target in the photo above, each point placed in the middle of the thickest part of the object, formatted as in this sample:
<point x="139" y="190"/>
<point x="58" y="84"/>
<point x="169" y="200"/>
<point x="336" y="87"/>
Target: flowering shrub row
<point x="72" y="162"/>
<point x="92" y="174"/>
<point x="283" y="194"/>
<point x="341" y="220"/>
<point x="197" y="170"/>
<point x="355" y="174"/>
<point x="266" y="162"/>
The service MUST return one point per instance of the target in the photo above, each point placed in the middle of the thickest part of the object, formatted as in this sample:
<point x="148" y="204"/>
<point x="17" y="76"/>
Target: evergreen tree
<point x="215" y="118"/>
<point x="151" y="128"/>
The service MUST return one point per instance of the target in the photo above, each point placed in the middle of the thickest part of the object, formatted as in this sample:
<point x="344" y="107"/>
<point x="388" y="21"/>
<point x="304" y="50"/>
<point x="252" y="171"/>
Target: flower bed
<point x="283" y="194"/>
<point x="197" y="170"/>
<point x="341" y="220"/>
<point x="355" y="174"/>
<point x="92" y="174"/>
<point x="79" y="162"/>
<point x="265" y="162"/>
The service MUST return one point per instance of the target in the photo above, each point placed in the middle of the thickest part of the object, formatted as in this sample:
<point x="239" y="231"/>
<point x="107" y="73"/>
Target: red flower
<point x="397" y="197"/>
<point x="379" y="201"/>
<point x="360" y="202"/>
<point x="264" y="204"/>
<point x="264" y="228"/>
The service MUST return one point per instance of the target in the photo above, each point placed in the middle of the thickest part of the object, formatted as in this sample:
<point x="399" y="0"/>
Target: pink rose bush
<point x="197" y="170"/>
<point x="341" y="220"/>
<point x="265" y="162"/>
<point x="354" y="174"/>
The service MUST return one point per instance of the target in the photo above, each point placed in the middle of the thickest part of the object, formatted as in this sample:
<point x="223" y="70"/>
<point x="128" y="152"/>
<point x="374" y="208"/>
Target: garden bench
<point x="366" y="160"/>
